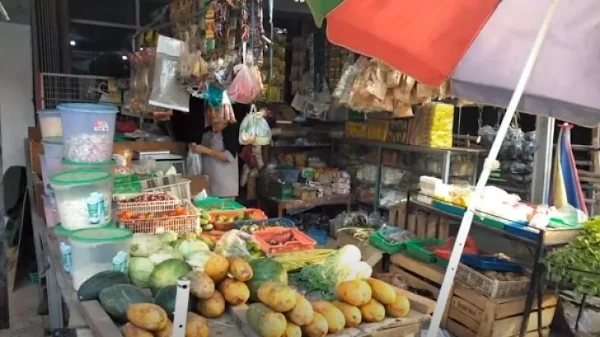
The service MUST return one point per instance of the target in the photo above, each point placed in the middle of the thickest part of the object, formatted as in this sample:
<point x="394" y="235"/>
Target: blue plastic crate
<point x="288" y="175"/>
<point x="285" y="222"/>
<point x="449" y="208"/>
<point x="319" y="235"/>
<point x="490" y="263"/>
<point x="520" y="229"/>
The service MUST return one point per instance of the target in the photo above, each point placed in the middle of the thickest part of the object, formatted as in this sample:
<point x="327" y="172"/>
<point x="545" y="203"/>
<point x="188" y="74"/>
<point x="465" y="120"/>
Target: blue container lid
<point x="49" y="112"/>
<point x="102" y="108"/>
<point x="53" y="140"/>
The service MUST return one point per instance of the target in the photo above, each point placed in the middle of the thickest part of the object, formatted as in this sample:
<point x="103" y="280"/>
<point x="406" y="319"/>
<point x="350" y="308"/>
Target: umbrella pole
<point x="467" y="219"/>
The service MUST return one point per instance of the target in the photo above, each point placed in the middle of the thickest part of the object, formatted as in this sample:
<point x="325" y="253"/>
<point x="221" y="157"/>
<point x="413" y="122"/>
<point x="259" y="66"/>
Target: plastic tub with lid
<point x="53" y="147"/>
<point x="50" y="123"/>
<point x="62" y="237"/>
<point x="98" y="249"/>
<point x="88" y="131"/>
<point x="49" y="167"/>
<point x="106" y="166"/>
<point x="50" y="212"/>
<point x="83" y="198"/>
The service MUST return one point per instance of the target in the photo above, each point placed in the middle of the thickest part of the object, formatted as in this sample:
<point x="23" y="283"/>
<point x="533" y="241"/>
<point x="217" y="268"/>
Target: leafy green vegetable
<point x="578" y="263"/>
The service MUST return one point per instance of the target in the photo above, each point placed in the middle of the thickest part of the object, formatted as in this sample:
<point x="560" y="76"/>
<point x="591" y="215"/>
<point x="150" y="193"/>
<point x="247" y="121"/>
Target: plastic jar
<point x="50" y="166"/>
<point x="50" y="212"/>
<point x="53" y="148"/>
<point x="96" y="250"/>
<point x="106" y="166"/>
<point x="83" y="198"/>
<point x="50" y="123"/>
<point x="88" y="131"/>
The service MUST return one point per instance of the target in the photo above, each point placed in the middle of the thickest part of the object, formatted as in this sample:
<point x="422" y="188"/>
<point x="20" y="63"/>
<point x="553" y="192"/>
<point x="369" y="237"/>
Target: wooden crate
<point x="469" y="313"/>
<point x="422" y="224"/>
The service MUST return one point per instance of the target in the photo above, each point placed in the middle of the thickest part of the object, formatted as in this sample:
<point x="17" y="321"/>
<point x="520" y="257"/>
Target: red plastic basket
<point x="300" y="242"/>
<point x="257" y="215"/>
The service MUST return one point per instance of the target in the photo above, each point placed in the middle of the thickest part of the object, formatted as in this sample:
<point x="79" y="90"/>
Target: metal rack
<point x="446" y="156"/>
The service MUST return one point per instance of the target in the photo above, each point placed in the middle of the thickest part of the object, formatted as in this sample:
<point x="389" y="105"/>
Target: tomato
<point x="172" y="213"/>
<point x="140" y="217"/>
<point x="126" y="215"/>
<point x="180" y="210"/>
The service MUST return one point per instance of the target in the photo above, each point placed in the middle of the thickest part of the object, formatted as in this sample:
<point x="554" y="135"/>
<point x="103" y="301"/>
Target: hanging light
<point x="300" y="1"/>
<point x="124" y="58"/>
<point x="73" y="43"/>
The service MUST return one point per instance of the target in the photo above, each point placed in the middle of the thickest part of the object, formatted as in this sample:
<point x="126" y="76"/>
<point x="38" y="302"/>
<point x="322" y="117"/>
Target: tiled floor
<point x="24" y="320"/>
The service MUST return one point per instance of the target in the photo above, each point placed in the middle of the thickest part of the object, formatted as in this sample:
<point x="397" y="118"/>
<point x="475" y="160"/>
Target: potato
<point x="130" y="330"/>
<point x="235" y="292"/>
<point x="196" y="326"/>
<point x="264" y="290"/>
<point x="302" y="313"/>
<point x="317" y="328"/>
<point x="212" y="307"/>
<point x="351" y="313"/>
<point x="281" y="298"/>
<point x="201" y="285"/>
<point x="166" y="332"/>
<point x="372" y="311"/>
<point x="356" y="292"/>
<point x="292" y="330"/>
<point x="400" y="308"/>
<point x="240" y="269"/>
<point x="216" y="267"/>
<point x="334" y="316"/>
<point x="382" y="292"/>
<point x="147" y="316"/>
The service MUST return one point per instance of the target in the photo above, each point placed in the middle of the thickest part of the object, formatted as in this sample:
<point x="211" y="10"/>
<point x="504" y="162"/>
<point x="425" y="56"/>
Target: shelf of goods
<point x="397" y="167"/>
<point x="471" y="314"/>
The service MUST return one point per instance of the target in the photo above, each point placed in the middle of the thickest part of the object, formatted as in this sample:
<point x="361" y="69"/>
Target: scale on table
<point x="162" y="157"/>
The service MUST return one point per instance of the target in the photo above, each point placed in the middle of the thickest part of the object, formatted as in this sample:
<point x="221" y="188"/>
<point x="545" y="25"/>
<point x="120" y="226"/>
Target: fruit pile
<point x="128" y="215"/>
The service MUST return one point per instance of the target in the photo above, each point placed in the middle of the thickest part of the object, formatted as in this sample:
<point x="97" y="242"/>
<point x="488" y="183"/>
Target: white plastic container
<point x="96" y="250"/>
<point x="50" y="212"/>
<point x="83" y="198"/>
<point x="88" y="131"/>
<point x="50" y="166"/>
<point x="64" y="245"/>
<point x="50" y="123"/>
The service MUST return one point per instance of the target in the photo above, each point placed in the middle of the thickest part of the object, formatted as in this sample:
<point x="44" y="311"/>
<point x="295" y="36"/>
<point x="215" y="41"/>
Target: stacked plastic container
<point x="51" y="127"/>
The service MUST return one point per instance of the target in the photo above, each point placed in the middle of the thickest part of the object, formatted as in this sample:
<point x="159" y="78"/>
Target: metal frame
<point x="66" y="88"/>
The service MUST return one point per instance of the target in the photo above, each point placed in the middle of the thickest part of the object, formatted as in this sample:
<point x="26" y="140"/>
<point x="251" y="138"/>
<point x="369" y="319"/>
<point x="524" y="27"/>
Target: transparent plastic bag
<point x="166" y="90"/>
<point x="246" y="86"/>
<point x="233" y="243"/>
<point x="254" y="129"/>
<point x="193" y="163"/>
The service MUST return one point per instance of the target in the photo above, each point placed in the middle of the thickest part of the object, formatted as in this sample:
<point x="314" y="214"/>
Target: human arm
<point x="223" y="156"/>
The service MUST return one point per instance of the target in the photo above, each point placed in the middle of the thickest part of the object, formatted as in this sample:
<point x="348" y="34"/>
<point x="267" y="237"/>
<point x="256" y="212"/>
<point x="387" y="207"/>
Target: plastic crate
<point x="490" y="263"/>
<point x="441" y="262"/>
<point x="378" y="241"/>
<point x="162" y="205"/>
<point x="127" y="183"/>
<point x="301" y="241"/>
<point x="490" y="221"/>
<point x="319" y="235"/>
<point x="272" y="222"/>
<point x="180" y="224"/>
<point x="522" y="230"/>
<point x="216" y="203"/>
<point x="256" y="213"/>
<point x="416" y="249"/>
<point x="174" y="184"/>
<point x="490" y="287"/>
<point x="449" y="208"/>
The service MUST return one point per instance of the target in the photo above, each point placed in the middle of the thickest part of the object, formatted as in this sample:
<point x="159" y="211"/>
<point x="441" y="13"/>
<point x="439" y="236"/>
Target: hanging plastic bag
<point x="166" y="90"/>
<point x="193" y="163"/>
<point x="254" y="129"/>
<point x="246" y="86"/>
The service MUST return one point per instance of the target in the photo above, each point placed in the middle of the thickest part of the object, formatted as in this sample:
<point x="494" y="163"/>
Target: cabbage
<point x="168" y="237"/>
<point x="144" y="245"/>
<point x="165" y="254"/>
<point x="187" y="247"/>
<point x="198" y="259"/>
<point x="140" y="269"/>
<point x="349" y="254"/>
<point x="363" y="270"/>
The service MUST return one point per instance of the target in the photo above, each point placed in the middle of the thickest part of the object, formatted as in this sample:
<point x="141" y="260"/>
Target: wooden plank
<point x="421" y="225"/>
<point x="517" y="306"/>
<point x="470" y="295"/>
<point x="432" y="221"/>
<point x="459" y="330"/>
<point x="466" y="308"/>
<point x="412" y="223"/>
<point x="418" y="283"/>
<point x="98" y="320"/>
<point x="444" y="228"/>
<point x="510" y="326"/>
<point x="429" y="271"/>
<point x="487" y="322"/>
<point x="464" y="319"/>
<point x="418" y="303"/>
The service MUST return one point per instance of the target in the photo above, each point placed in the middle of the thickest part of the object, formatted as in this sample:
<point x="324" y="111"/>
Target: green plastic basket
<point x="441" y="262"/>
<point x="415" y="248"/>
<point x="220" y="204"/>
<point x="378" y="241"/>
<point x="489" y="221"/>
<point x="127" y="183"/>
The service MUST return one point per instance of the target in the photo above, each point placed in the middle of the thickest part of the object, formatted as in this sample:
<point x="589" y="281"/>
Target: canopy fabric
<point x="566" y="187"/>
<point x="424" y="39"/>
<point x="320" y="9"/>
<point x="565" y="82"/>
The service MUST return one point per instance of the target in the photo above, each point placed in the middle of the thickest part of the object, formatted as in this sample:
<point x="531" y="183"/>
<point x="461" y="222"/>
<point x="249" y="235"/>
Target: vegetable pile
<point x="578" y="263"/>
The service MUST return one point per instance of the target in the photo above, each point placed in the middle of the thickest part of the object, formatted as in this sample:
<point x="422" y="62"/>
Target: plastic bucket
<point x="83" y="198"/>
<point x="50" y="212"/>
<point x="50" y="123"/>
<point x="98" y="249"/>
<point x="50" y="166"/>
<point x="53" y="148"/>
<point x="106" y="166"/>
<point x="88" y="131"/>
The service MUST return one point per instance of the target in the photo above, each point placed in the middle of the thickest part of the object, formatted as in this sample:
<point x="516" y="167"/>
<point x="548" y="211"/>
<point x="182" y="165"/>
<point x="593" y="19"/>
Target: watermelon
<point x="265" y="270"/>
<point x="90" y="289"/>
<point x="165" y="298"/>
<point x="167" y="273"/>
<point x="116" y="299"/>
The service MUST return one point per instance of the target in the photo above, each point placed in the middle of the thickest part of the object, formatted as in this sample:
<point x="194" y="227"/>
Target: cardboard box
<point x="198" y="183"/>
